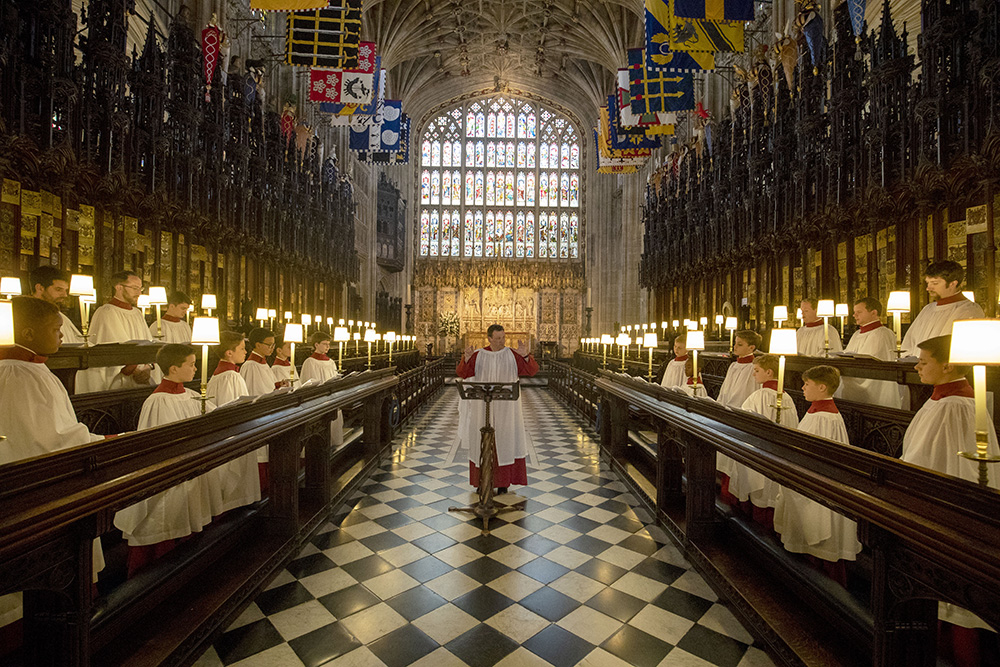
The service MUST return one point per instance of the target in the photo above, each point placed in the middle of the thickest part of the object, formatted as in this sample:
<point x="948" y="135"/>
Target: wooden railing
<point x="927" y="536"/>
<point x="52" y="507"/>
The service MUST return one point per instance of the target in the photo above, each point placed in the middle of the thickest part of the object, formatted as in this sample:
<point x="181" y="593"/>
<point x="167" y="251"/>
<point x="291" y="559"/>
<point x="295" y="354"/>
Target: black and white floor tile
<point x="580" y="577"/>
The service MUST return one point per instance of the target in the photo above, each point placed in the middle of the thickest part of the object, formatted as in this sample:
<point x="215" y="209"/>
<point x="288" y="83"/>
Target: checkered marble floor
<point x="580" y="577"/>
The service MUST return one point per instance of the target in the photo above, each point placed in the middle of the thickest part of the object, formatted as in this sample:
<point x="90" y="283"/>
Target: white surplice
<point x="810" y="340"/>
<point x="805" y="525"/>
<point x="936" y="319"/>
<point x="940" y="429"/>
<point x="746" y="483"/>
<point x="37" y="418"/>
<point x="71" y="335"/>
<point x="112" y="324"/>
<point x="260" y="380"/>
<point x="675" y="374"/>
<point x="180" y="510"/>
<point x="878" y="342"/>
<point x="241" y="486"/>
<point x="736" y="388"/>
<point x="283" y="372"/>
<point x="321" y="370"/>
<point x="505" y="416"/>
<point x="173" y="332"/>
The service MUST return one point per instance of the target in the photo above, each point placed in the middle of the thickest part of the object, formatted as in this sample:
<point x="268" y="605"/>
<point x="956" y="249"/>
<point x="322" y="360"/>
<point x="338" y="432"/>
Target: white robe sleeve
<point x="318" y="370"/>
<point x="259" y="378"/>
<point x="675" y="374"/>
<point x="226" y="387"/>
<point x="940" y="430"/>
<point x="282" y="373"/>
<point x="71" y="335"/>
<point x="738" y="385"/>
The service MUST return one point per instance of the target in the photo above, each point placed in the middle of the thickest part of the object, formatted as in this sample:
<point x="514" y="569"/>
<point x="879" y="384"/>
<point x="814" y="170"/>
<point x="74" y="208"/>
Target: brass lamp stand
<point x="487" y="392"/>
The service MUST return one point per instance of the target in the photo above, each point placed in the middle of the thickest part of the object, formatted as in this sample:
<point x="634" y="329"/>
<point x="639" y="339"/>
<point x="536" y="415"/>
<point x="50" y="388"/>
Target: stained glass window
<point x="494" y="172"/>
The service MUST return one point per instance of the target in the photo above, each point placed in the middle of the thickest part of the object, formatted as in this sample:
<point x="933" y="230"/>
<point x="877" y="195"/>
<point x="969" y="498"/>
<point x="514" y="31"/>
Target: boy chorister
<point x="676" y="373"/>
<point x="805" y="525"/>
<point x="255" y="371"/>
<point x="153" y="525"/>
<point x="319" y="366"/>
<point x="242" y="483"/>
<point x="737" y="387"/>
<point x="284" y="371"/>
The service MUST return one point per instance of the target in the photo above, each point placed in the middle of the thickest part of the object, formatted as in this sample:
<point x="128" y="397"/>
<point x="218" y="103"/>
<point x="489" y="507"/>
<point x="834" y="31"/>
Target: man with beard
<point x="51" y="284"/>
<point x="944" y="285"/>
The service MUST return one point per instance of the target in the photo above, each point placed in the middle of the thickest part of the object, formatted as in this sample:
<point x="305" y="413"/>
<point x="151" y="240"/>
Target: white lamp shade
<point x="826" y="308"/>
<point x="261" y="314"/>
<point x="6" y="323"/>
<point x="703" y="321"/>
<point x="730" y="324"/>
<point x="390" y="337"/>
<point x="10" y="285"/>
<point x="340" y="335"/>
<point x="664" y="325"/>
<point x="370" y="336"/>
<point x="629" y="327"/>
<point x="143" y="301"/>
<point x="80" y="285"/>
<point x="306" y="319"/>
<point x="676" y="323"/>
<point x="318" y="319"/>
<point x="899" y="302"/>
<point x="288" y="315"/>
<point x="89" y="298"/>
<point x="606" y="339"/>
<point x="649" y="340"/>
<point x="329" y="321"/>
<point x="350" y="323"/>
<point x="624" y="339"/>
<point x="356" y="335"/>
<point x="842" y="310"/>
<point x="780" y="313"/>
<point x="719" y="319"/>
<point x="798" y="313"/>
<point x="783" y="341"/>
<point x="208" y="301"/>
<point x="341" y="322"/>
<point x="975" y="342"/>
<point x="695" y="340"/>
<point x="293" y="333"/>
<point x="157" y="296"/>
<point x="271" y="312"/>
<point x="638" y="340"/>
<point x="970" y="295"/>
<point x="205" y="331"/>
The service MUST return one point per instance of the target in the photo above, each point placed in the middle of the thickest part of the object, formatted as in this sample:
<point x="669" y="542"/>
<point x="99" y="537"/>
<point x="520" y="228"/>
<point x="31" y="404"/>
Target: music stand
<point x="487" y="392"/>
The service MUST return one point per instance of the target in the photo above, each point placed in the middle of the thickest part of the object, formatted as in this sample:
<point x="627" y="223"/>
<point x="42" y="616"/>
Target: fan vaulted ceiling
<point x="563" y="50"/>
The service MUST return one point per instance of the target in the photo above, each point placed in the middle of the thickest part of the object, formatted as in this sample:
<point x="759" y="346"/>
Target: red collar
<point x="957" y="388"/>
<point x="121" y="304"/>
<point x="691" y="380"/>
<point x="169" y="387"/>
<point x="954" y="298"/>
<point x="171" y="318"/>
<point x="871" y="326"/>
<point x="319" y="357"/>
<point x="223" y="367"/>
<point x="771" y="384"/>
<point x="281" y="362"/>
<point x="257" y="359"/>
<point x="815" y="324"/>
<point x="21" y="353"/>
<point x="824" y="405"/>
<point x="745" y="360"/>
<point x="684" y="358"/>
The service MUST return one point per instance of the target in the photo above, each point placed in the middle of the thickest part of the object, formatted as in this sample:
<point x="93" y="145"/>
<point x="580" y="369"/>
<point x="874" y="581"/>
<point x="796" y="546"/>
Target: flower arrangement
<point x="448" y="324"/>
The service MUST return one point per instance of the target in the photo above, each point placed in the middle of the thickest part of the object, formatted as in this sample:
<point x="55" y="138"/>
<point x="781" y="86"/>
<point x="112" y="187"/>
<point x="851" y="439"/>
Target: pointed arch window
<point x="500" y="177"/>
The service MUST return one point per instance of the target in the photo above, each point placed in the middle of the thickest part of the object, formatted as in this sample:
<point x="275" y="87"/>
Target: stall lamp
<point x="606" y="340"/>
<point x="287" y="316"/>
<point x="293" y="334"/>
<point x="650" y="341"/>
<point x="208" y="303"/>
<point x="842" y="314"/>
<point x="341" y="336"/>
<point x="272" y="314"/>
<point x="783" y="342"/>
<point x="970" y="295"/>
<point x="390" y="338"/>
<point x="826" y="309"/>
<point x="731" y="325"/>
<point x="899" y="303"/>
<point x="977" y="343"/>
<point x="780" y="315"/>
<point x="623" y="341"/>
<point x="370" y="337"/>
<point x="204" y="332"/>
<point x="6" y="323"/>
<point x="695" y="342"/>
<point x="798" y="315"/>
<point x="10" y="286"/>
<point x="260" y="316"/>
<point x="143" y="302"/>
<point x="676" y="324"/>
<point x="157" y="298"/>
